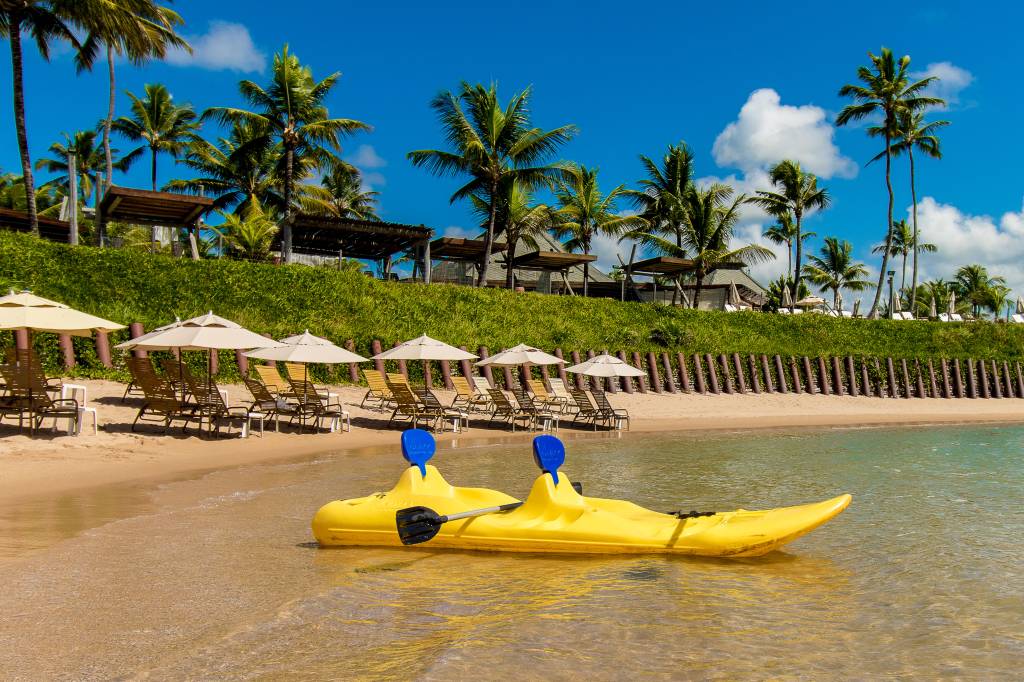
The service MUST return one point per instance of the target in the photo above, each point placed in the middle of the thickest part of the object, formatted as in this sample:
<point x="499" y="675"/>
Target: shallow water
<point x="215" y="577"/>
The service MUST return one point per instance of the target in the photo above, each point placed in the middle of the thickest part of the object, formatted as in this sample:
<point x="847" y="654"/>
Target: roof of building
<point x="146" y="207"/>
<point x="49" y="228"/>
<point x="369" y="239"/>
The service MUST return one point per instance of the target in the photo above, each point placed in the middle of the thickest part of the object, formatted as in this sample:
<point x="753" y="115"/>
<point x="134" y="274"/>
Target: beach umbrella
<point x="787" y="300"/>
<point x="520" y="355"/>
<point x="932" y="310"/>
<point x="306" y="348"/>
<point x="734" y="295"/>
<point x="810" y="301"/>
<point x="25" y="310"/>
<point x="856" y="308"/>
<point x="951" y="308"/>
<point x="605" y="365"/>
<point x="897" y="307"/>
<point x="424" y="348"/>
<point x="1020" y="306"/>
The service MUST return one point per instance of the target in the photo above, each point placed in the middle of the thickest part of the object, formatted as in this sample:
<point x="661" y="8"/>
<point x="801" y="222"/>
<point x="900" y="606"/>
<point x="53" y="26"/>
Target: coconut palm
<point x="164" y="127"/>
<point x="250" y="233"/>
<point x="341" y="194"/>
<point x="912" y="132"/>
<point x="796" y="194"/>
<point x="493" y="146"/>
<point x="89" y="162"/>
<point x="784" y="232"/>
<point x="973" y="284"/>
<point x="237" y="170"/>
<point x="887" y="89"/>
<point x="836" y="270"/>
<point x="136" y="30"/>
<point x="518" y="218"/>
<point x="711" y="216"/>
<point x="903" y="245"/>
<point x="12" y="196"/>
<point x="585" y="212"/>
<point x="291" y="112"/>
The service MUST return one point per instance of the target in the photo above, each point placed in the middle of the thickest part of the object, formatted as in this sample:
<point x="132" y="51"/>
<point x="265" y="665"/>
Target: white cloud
<point x="372" y="181"/>
<point x="963" y="239"/>
<point x="459" y="231"/>
<point x="224" y="46"/>
<point x="768" y="131"/>
<point x="951" y="80"/>
<point x="366" y="157"/>
<point x="606" y="248"/>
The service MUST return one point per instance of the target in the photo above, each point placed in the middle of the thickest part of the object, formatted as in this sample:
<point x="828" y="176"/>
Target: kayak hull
<point x="556" y="519"/>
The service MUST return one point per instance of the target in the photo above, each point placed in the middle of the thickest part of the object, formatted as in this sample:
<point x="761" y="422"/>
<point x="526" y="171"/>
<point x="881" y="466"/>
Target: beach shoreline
<point x="55" y="464"/>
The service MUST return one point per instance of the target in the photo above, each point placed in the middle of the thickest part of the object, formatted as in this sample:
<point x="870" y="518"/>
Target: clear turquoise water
<point x="920" y="577"/>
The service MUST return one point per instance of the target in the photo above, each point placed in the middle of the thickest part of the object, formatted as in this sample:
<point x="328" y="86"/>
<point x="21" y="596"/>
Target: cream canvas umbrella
<point x="951" y="306"/>
<point x="25" y="310"/>
<point x="787" y="300"/>
<point x="932" y="310"/>
<point x="810" y="301"/>
<point x="605" y="366"/>
<point x="734" y="295"/>
<point x="424" y="348"/>
<point x="856" y="308"/>
<point x="306" y="348"/>
<point x="1020" y="306"/>
<point x="521" y="355"/>
<point x="897" y="308"/>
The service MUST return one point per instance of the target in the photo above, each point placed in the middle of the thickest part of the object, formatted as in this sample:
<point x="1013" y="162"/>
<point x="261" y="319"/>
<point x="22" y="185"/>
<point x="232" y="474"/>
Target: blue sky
<point x="745" y="84"/>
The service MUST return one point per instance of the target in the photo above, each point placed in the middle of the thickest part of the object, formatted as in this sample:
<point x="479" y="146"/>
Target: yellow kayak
<point x="556" y="518"/>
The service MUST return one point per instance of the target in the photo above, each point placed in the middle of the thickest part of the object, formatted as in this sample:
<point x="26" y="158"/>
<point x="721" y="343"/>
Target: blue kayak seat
<point x="418" y="447"/>
<point x="549" y="454"/>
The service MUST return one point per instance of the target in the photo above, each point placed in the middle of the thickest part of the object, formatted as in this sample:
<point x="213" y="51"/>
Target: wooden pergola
<point x="49" y="228"/>
<point x="151" y="208"/>
<point x="462" y="249"/>
<point x="331" y="236"/>
<point x="551" y="261"/>
<point x="671" y="266"/>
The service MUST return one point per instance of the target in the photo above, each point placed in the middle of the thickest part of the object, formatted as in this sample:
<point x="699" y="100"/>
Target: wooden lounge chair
<point x="614" y="415"/>
<point x="378" y="392"/>
<point x="273" y="380"/>
<point x="210" y="406"/>
<point x="160" y="399"/>
<point x="482" y="385"/>
<point x="585" y="410"/>
<point x="29" y="395"/>
<point x="399" y="378"/>
<point x="545" y="398"/>
<point x="178" y="374"/>
<point x="456" y="415"/>
<point x="468" y="397"/>
<point x="312" y="405"/>
<point x="559" y="390"/>
<point x="266" y="403"/>
<point x="409" y="408"/>
<point x="506" y="411"/>
<point x="539" y="413"/>
<point x="135" y="366"/>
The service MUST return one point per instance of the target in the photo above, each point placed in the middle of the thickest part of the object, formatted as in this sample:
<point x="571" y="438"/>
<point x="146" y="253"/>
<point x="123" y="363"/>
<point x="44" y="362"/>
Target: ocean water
<point x="217" y="577"/>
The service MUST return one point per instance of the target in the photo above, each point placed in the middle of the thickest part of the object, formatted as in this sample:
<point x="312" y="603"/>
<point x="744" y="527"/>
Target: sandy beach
<point x="51" y="462"/>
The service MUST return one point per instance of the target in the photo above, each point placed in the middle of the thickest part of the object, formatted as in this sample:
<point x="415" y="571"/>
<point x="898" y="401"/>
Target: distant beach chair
<point x="539" y="414"/>
<point x="312" y="404"/>
<point x="399" y="378"/>
<point x="410" y="408"/>
<point x="273" y="380"/>
<point x="456" y="415"/>
<point x="505" y="411"/>
<point x="30" y="395"/>
<point x="468" y="397"/>
<point x="178" y="374"/>
<point x="1017" y="318"/>
<point x="585" y="410"/>
<point x="378" y="392"/>
<point x="615" y="415"/>
<point x="559" y="390"/>
<point x="946" y="317"/>
<point x="160" y="399"/>
<point x="482" y="385"/>
<point x="136" y="365"/>
<point x="545" y="398"/>
<point x="210" y="405"/>
<point x="268" y="404"/>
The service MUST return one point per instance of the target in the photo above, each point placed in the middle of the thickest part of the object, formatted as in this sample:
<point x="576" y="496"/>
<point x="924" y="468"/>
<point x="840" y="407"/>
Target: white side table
<point x="247" y="424"/>
<point x="71" y="391"/>
<point x="82" y="411"/>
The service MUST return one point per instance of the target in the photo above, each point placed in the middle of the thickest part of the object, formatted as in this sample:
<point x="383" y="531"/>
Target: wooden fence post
<point x="837" y="376"/>
<point x="755" y="371"/>
<point x="698" y="374"/>
<point x="446" y="375"/>
<point x="506" y="373"/>
<point x="880" y="387"/>
<point x="375" y="349"/>
<point x="103" y="349"/>
<point x="135" y="330"/>
<point x="972" y="387"/>
<point x="997" y="390"/>
<point x="780" y="375"/>
<point x="428" y="375"/>
<point x="919" y="381"/>
<point x="652" y="372"/>
<point x="741" y="383"/>
<point x="1020" y="380"/>
<point x="726" y="379"/>
<point x="353" y="367"/>
<point x="767" y="372"/>
<point x="865" y="378"/>
<point x="947" y="390"/>
<point x="642" y="380"/>
<point x="983" y="375"/>
<point x="608" y="383"/>
<point x="578" y="378"/>
<point x="823" y="377"/>
<point x="561" y="368"/>
<point x="932" y="383"/>
<point x="1010" y="392"/>
<point x="242" y="362"/>
<point x="525" y="374"/>
<point x="907" y="391"/>
<point x="403" y="369"/>
<point x="67" y="349"/>
<point x="808" y="375"/>
<point x="488" y="374"/>
<point x="851" y="376"/>
<point x="891" y="375"/>
<point x="712" y="373"/>
<point x="544" y="377"/>
<point x="684" y="373"/>
<point x="21" y="339"/>
<point x="666" y="363"/>
<point x="958" y="380"/>
<point x="627" y="383"/>
<point x="794" y="370"/>
<point x="593" y="382"/>
<point x="464" y="366"/>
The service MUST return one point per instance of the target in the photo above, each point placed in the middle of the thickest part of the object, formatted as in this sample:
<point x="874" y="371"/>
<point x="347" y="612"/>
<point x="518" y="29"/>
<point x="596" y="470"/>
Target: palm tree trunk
<point x="152" y="172"/>
<point x="913" y="194"/>
<point x="492" y="213"/>
<point x="509" y="273"/>
<point x="696" y="289"/>
<point x="888" y="234"/>
<point x="286" y="229"/>
<point x="799" y="255"/>
<point x="789" y="256"/>
<point x="903" y="277"/>
<point x="109" y="119"/>
<point x="586" y="274"/>
<point x="19" y="120"/>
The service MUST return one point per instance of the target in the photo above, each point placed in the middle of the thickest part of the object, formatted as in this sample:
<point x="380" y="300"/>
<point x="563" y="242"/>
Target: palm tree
<point x="89" y="162"/>
<point x="163" y="125"/>
<point x="797" y="194"/>
<point x="973" y="284"/>
<point x="835" y="269"/>
<point x="12" y="196"/>
<point x="784" y="232"/>
<point x="711" y="216"/>
<point x="493" y="146"/>
<point x="291" y="112"/>
<point x="134" y="29"/>
<point x="585" y="212"/>
<point x="236" y="171"/>
<point x="341" y="194"/>
<point x="903" y="245"/>
<point x="913" y="133"/>
<point x="886" y="89"/>
<point x="250" y="233"/>
<point x="517" y="217"/>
